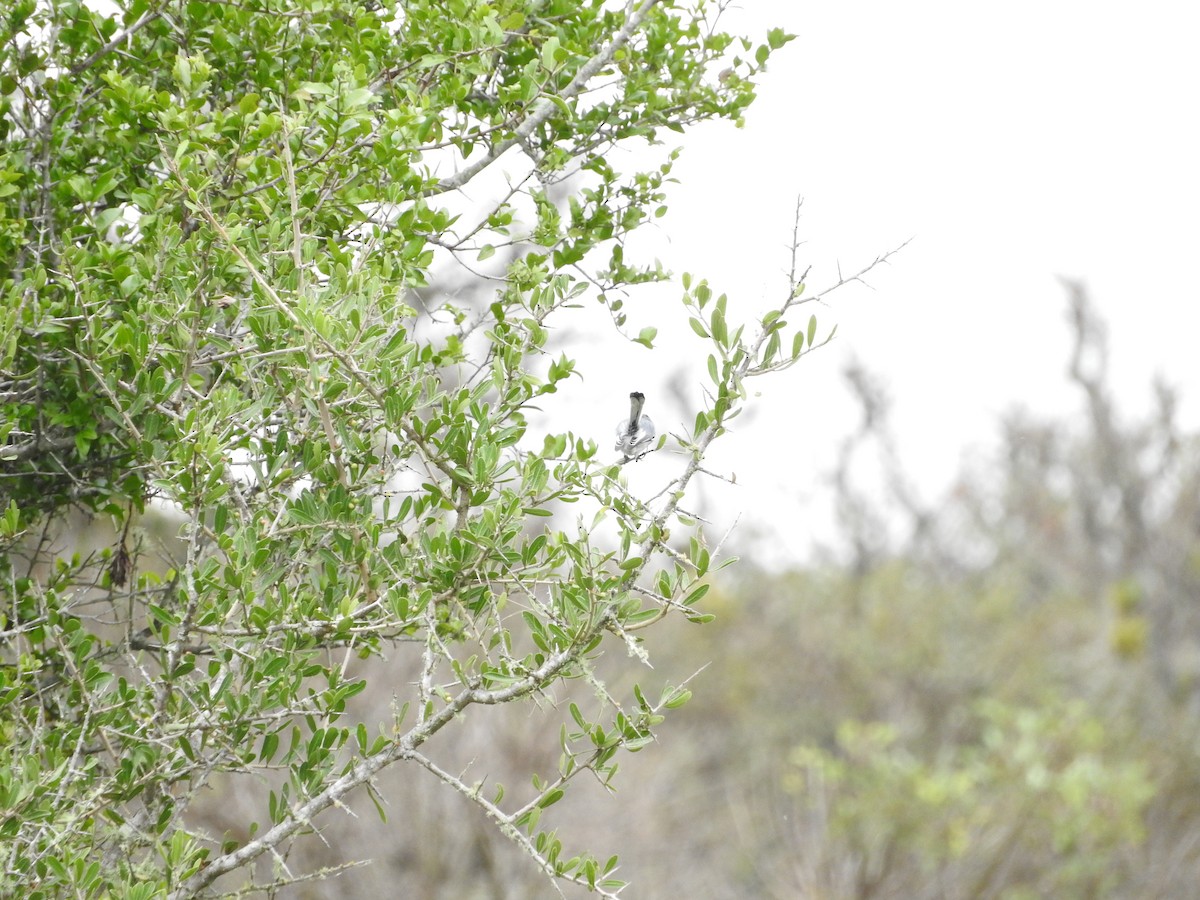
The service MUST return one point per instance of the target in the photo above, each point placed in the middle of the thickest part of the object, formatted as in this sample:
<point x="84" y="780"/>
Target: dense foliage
<point x="233" y="238"/>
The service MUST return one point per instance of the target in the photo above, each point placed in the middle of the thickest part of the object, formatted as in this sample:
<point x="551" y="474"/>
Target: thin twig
<point x="147" y="17"/>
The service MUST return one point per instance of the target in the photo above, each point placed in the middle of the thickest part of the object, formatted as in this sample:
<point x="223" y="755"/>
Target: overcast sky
<point x="1013" y="144"/>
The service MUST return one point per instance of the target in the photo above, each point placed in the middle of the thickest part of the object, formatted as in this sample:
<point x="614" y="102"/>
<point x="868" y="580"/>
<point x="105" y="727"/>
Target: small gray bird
<point x="635" y="435"/>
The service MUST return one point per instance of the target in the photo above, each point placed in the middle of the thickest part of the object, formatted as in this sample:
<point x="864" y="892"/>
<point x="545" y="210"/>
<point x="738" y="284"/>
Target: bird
<point x="635" y="435"/>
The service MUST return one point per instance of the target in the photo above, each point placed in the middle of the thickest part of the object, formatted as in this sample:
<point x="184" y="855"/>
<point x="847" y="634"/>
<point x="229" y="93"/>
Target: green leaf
<point x="550" y="50"/>
<point x="269" y="745"/>
<point x="678" y="698"/>
<point x="183" y="72"/>
<point x="797" y="344"/>
<point x="772" y="349"/>
<point x="358" y="97"/>
<point x="698" y="327"/>
<point x="81" y="187"/>
<point x="551" y="798"/>
<point x="105" y="183"/>
<point x="106" y="218"/>
<point x="719" y="331"/>
<point x="577" y="715"/>
<point x="777" y="37"/>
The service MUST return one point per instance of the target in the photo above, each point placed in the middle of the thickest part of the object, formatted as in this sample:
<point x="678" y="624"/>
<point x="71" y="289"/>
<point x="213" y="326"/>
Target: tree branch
<point x="366" y="769"/>
<point x="147" y="17"/>
<point x="544" y="108"/>
<point x="39" y="445"/>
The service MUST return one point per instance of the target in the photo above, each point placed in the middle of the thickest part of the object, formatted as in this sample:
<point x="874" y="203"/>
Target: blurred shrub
<point x="1042" y="804"/>
<point x="993" y="695"/>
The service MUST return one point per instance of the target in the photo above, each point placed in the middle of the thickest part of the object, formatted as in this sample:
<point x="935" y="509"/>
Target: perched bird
<point x="635" y="435"/>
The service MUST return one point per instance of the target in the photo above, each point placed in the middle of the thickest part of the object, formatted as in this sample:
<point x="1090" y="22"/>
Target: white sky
<point x="1014" y="144"/>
